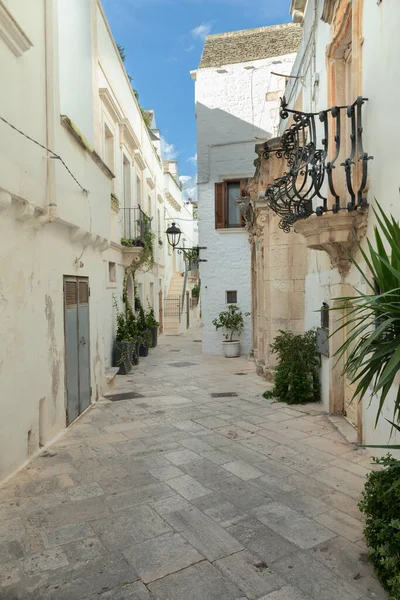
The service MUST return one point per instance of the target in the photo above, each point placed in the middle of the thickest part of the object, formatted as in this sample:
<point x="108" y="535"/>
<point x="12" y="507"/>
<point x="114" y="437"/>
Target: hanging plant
<point x="297" y="373"/>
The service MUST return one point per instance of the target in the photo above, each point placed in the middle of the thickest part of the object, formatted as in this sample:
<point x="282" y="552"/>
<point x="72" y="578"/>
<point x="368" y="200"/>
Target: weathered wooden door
<point x="77" y="346"/>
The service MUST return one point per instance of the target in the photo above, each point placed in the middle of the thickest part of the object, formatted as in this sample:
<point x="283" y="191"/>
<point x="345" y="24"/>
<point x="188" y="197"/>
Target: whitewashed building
<point x="237" y="88"/>
<point x="77" y="166"/>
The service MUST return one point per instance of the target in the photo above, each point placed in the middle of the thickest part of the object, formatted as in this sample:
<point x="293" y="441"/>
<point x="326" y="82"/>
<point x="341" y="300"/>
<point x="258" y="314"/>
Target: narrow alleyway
<point x="174" y="493"/>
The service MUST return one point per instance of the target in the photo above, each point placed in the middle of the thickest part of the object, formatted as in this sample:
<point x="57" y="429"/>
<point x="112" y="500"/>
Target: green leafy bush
<point x="196" y="291"/>
<point x="297" y="374"/>
<point x="230" y="321"/>
<point x="150" y="317"/>
<point x="144" y="333"/>
<point x="381" y="505"/>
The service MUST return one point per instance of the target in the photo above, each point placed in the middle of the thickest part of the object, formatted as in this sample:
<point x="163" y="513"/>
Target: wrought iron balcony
<point x="310" y="175"/>
<point x="135" y="222"/>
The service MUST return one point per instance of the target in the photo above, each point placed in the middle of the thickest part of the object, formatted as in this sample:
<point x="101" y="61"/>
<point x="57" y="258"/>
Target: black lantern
<point x="325" y="316"/>
<point x="173" y="235"/>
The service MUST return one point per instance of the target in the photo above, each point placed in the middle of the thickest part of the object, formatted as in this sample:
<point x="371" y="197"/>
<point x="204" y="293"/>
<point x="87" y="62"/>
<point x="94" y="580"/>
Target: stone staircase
<point x="172" y="322"/>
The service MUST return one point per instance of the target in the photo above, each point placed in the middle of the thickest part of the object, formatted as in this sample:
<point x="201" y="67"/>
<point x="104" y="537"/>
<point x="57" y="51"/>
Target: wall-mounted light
<point x="173" y="235"/>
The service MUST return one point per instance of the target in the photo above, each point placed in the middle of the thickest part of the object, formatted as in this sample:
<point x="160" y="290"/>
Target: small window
<point x="112" y="272"/>
<point x="231" y="297"/>
<point x="227" y="210"/>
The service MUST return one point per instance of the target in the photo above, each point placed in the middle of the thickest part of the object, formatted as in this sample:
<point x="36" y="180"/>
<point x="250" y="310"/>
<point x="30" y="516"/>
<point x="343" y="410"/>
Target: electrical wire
<point x="54" y="155"/>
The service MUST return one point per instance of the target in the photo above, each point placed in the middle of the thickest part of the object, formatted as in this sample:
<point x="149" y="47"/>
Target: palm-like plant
<point x="372" y="348"/>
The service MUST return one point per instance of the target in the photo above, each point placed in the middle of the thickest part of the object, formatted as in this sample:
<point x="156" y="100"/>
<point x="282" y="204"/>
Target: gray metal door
<point x="77" y="347"/>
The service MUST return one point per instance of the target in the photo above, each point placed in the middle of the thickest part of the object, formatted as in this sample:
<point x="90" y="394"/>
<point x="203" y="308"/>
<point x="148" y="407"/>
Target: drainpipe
<point x="51" y="89"/>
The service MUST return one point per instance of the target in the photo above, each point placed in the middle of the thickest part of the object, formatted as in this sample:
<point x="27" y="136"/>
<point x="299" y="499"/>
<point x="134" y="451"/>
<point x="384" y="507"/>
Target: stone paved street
<point x="178" y="495"/>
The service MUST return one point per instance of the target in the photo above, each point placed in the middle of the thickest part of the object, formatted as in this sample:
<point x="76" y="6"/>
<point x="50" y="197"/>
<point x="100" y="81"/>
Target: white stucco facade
<point x="375" y="24"/>
<point x="236" y="105"/>
<point x="68" y="90"/>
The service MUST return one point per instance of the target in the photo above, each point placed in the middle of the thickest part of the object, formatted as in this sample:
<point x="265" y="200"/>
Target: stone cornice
<point x="172" y="201"/>
<point x="111" y="105"/>
<point x="139" y="160"/>
<point x="151" y="183"/>
<point x="12" y="33"/>
<point x="127" y="136"/>
<point x="67" y="123"/>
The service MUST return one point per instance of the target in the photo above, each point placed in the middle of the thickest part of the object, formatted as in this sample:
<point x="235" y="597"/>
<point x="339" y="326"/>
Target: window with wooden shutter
<point x="220" y="205"/>
<point x="227" y="210"/>
<point x="243" y="193"/>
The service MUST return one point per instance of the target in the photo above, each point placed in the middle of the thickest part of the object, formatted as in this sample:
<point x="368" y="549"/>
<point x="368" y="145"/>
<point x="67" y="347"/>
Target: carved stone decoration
<point x="337" y="235"/>
<point x="131" y="255"/>
<point x="328" y="11"/>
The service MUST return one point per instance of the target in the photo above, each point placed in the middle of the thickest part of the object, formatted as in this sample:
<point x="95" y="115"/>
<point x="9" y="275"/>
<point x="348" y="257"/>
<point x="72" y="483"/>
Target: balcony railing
<point x="311" y="175"/>
<point x="135" y="223"/>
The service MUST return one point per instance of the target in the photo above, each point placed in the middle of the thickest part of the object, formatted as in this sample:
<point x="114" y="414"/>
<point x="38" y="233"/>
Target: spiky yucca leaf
<point x="371" y="350"/>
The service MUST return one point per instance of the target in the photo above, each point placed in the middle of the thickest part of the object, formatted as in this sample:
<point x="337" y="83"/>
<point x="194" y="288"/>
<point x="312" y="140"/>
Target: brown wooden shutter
<point x="220" y="205"/>
<point x="243" y="193"/>
<point x="71" y="294"/>
<point x="83" y="292"/>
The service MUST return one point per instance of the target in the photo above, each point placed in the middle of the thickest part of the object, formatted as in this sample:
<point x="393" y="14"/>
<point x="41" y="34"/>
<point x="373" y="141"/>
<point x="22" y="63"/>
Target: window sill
<point x="111" y="285"/>
<point x="231" y="230"/>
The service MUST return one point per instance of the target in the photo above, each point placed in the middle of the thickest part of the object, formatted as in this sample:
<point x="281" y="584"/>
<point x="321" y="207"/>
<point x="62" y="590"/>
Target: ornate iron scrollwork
<point x="310" y="176"/>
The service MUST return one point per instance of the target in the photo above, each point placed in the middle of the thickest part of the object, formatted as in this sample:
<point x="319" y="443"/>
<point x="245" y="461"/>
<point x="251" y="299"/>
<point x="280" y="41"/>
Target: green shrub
<point x="297" y="374"/>
<point x="381" y="505"/>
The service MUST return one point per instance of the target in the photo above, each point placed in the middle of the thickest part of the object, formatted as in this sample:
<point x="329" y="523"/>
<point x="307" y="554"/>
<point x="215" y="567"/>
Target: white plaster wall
<point x="382" y="88"/>
<point x="23" y="167"/>
<point x="75" y="51"/>
<point x="32" y="333"/>
<point x="233" y="113"/>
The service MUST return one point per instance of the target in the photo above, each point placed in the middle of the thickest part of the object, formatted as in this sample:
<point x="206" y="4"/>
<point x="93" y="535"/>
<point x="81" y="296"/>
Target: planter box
<point x="123" y="357"/>
<point x="231" y="349"/>
<point x="135" y="354"/>
<point x="143" y="350"/>
<point x="154" y="336"/>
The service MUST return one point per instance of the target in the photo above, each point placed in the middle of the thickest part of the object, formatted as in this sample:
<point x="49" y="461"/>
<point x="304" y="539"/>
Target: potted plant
<point x="123" y="344"/>
<point x="231" y="322"/>
<point x="153" y="325"/>
<point x="144" y="333"/>
<point x="134" y="333"/>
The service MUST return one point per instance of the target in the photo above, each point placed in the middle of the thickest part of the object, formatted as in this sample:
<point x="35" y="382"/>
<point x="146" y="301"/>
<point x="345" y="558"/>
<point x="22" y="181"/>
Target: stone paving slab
<point x="180" y="496"/>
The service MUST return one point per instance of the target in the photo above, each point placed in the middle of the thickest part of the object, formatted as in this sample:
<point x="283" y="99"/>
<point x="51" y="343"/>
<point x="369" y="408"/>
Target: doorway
<point x="77" y="345"/>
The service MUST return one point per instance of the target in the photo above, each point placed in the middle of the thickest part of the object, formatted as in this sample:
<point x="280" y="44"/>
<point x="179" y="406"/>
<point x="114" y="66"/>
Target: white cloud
<point x="169" y="152"/>
<point x="189" y="185"/>
<point x="193" y="159"/>
<point x="190" y="48"/>
<point x="202" y="30"/>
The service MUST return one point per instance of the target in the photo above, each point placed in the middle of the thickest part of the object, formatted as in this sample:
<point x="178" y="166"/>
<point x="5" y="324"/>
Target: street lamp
<point x="173" y="235"/>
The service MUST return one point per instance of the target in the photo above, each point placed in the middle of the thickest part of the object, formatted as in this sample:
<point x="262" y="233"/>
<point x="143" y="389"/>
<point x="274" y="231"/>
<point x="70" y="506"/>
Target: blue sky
<point x="163" y="41"/>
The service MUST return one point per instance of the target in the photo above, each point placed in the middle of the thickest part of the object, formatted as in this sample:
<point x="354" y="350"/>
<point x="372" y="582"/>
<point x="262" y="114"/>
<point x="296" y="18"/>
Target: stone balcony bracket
<point x="131" y="255"/>
<point x="335" y="234"/>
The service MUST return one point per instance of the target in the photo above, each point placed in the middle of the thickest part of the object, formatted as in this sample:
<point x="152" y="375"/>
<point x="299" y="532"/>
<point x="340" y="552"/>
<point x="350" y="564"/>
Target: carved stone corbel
<point x="337" y="235"/>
